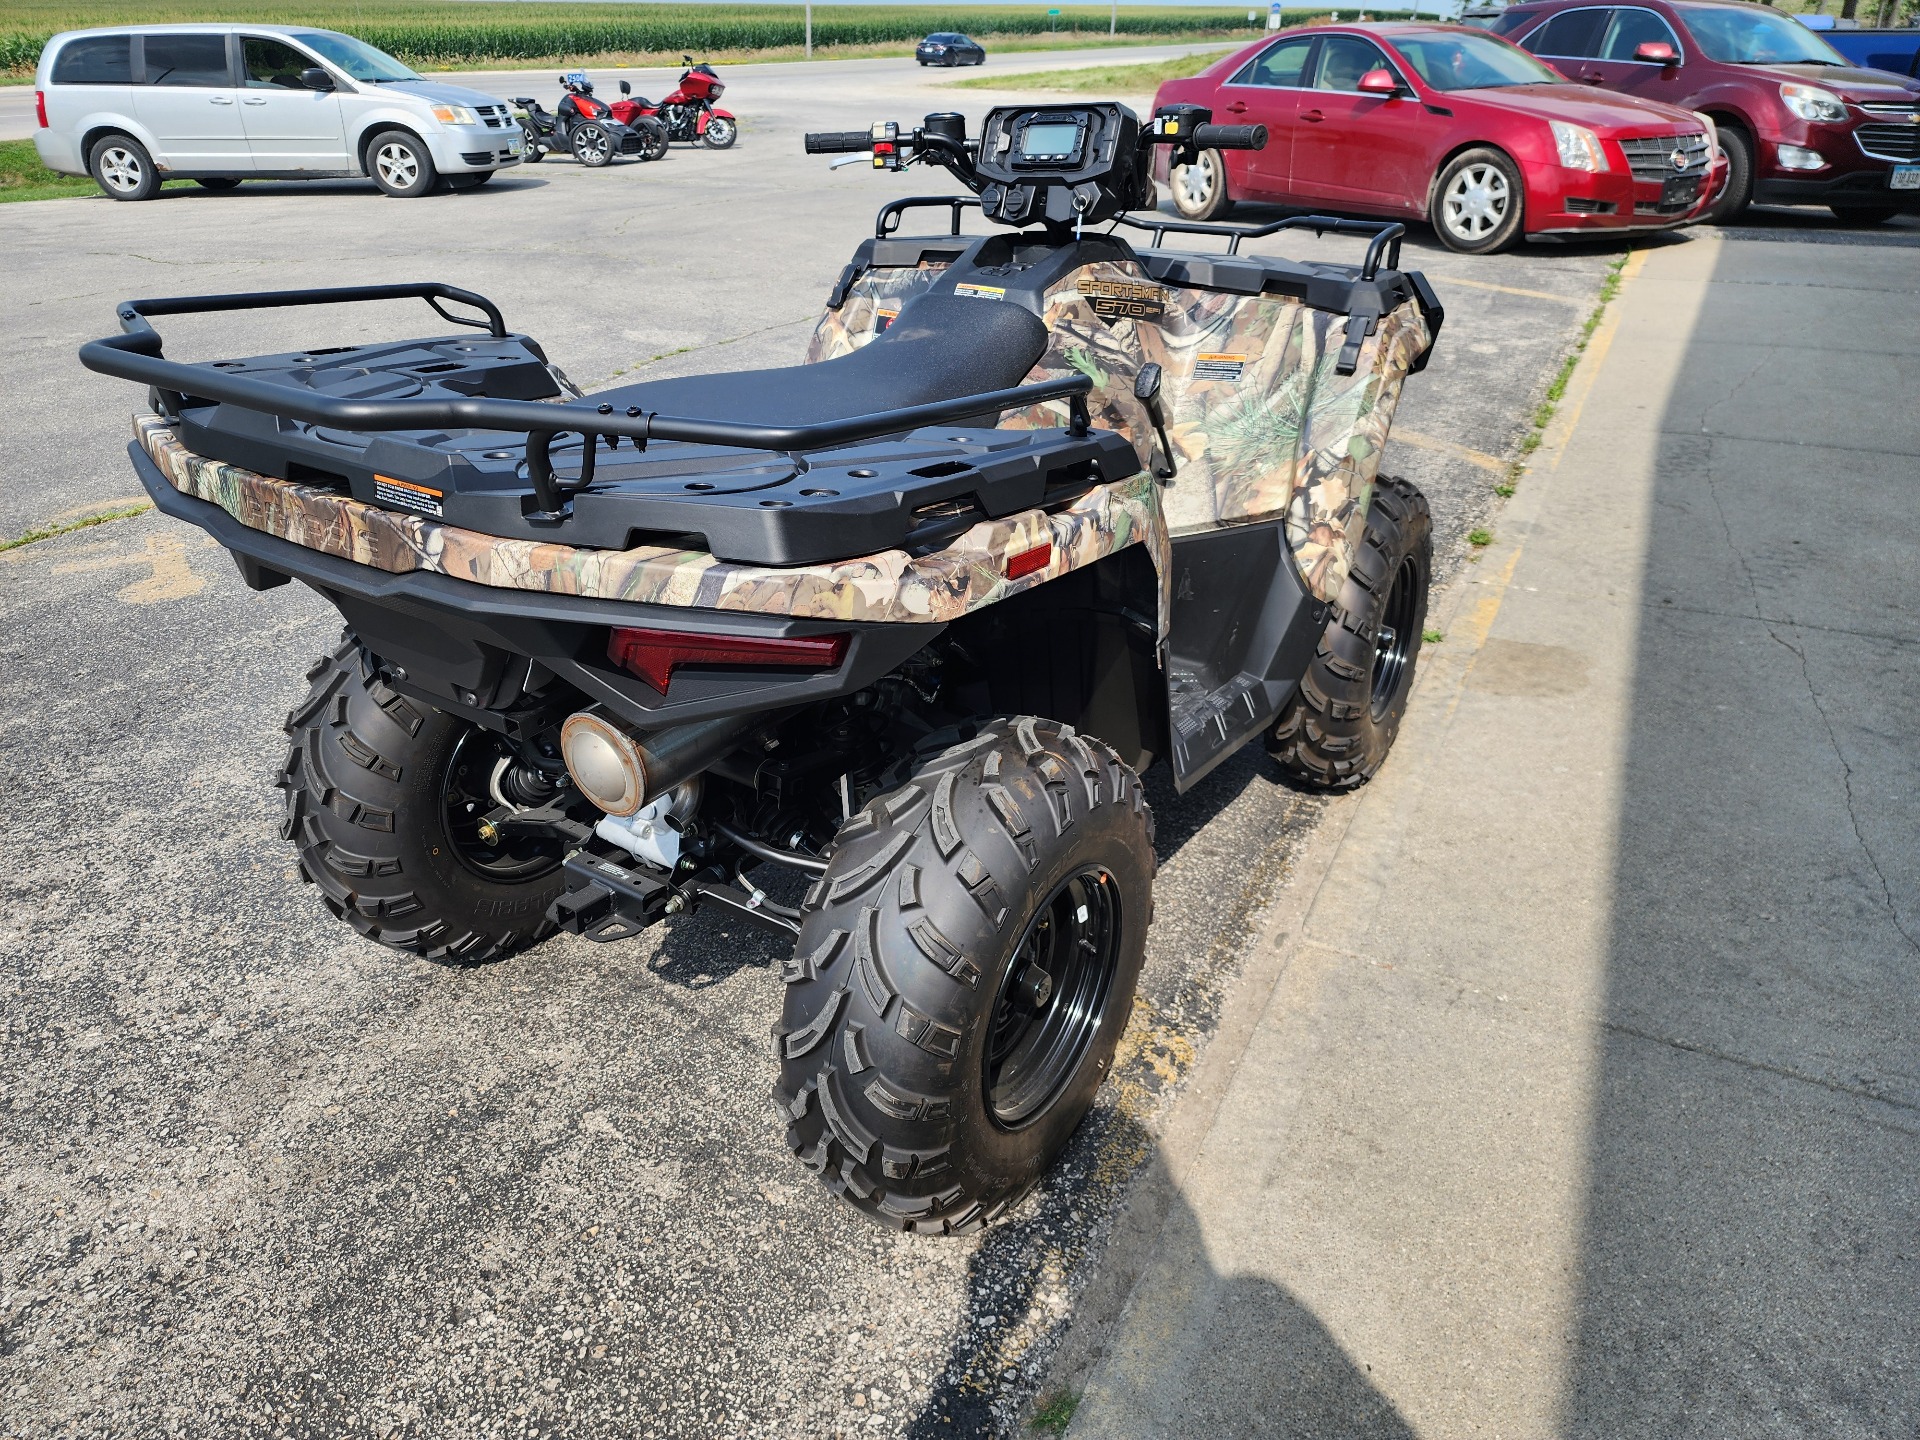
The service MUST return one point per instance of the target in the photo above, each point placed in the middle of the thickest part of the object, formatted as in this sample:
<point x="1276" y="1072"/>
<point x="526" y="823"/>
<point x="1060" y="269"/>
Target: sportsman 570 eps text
<point x="1042" y="509"/>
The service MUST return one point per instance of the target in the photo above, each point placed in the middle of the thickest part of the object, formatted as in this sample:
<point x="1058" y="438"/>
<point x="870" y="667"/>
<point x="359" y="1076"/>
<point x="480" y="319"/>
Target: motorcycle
<point x="689" y="112"/>
<point x="587" y="127"/>
<point x="902" y="625"/>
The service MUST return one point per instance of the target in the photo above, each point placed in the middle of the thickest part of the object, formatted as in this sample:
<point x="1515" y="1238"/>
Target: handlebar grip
<point x="1230" y="137"/>
<point x="838" y="142"/>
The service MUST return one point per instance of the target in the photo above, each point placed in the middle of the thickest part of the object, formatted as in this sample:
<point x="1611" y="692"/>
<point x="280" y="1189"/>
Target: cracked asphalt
<point x="264" y="1178"/>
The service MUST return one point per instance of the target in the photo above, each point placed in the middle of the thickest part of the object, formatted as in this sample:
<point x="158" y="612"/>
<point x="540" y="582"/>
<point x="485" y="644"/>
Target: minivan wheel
<point x="123" y="169"/>
<point x="1337" y="730"/>
<point x="1200" y="189"/>
<point x="964" y="969"/>
<point x="1478" y="202"/>
<point x="401" y="165"/>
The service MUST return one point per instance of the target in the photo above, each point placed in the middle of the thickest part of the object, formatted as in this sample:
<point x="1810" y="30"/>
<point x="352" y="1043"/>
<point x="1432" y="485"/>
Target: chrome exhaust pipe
<point x="620" y="769"/>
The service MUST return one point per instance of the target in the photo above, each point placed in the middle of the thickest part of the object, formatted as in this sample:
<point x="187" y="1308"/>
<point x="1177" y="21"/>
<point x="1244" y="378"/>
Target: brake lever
<point x="864" y="157"/>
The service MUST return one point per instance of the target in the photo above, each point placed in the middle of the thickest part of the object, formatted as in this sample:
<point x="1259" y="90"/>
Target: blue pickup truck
<point x="1895" y="50"/>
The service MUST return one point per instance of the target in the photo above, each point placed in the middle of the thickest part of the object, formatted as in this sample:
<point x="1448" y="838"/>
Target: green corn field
<point x="454" y="34"/>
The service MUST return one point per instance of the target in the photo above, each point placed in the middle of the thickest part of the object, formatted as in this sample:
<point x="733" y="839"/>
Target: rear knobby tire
<point x="1018" y="843"/>
<point x="366" y="807"/>
<point x="1337" y="730"/>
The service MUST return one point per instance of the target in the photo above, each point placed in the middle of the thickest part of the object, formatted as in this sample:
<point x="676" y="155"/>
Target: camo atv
<point x="903" y="624"/>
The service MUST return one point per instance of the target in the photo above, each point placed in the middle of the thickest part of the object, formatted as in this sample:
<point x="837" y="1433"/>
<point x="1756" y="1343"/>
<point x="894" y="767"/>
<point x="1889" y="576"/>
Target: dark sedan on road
<point x="948" y="48"/>
<point x="1441" y="123"/>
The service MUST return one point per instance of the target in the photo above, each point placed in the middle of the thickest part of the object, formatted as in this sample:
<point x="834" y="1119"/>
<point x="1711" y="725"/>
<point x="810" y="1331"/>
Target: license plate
<point x="1905" y="177"/>
<point x="1679" y="189"/>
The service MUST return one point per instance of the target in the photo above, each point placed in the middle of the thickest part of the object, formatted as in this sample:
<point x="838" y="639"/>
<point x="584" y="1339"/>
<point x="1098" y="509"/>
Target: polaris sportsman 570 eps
<point x="903" y="624"/>
<point x="587" y="127"/>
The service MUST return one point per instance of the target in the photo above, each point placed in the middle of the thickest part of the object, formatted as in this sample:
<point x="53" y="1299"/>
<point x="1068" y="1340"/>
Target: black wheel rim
<point x="1393" y="639"/>
<point x="466" y="799"/>
<point x="1052" y="999"/>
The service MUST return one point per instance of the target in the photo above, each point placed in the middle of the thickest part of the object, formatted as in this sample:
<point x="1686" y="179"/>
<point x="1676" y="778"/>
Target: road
<point x="258" y="1176"/>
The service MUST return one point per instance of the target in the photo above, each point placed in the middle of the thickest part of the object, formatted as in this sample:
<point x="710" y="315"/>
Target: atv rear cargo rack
<point x="136" y="355"/>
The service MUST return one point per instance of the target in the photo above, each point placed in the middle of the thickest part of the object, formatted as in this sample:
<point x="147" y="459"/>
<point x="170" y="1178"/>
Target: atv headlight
<point x="1579" y="147"/>
<point x="1810" y="102"/>
<point x="455" y="115"/>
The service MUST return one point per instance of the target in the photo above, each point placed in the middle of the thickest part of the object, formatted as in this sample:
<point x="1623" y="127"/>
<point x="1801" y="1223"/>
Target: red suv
<point x="1800" y="125"/>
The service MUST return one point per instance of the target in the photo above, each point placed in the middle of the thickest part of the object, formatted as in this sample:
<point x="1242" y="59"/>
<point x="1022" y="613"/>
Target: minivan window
<point x="1750" y="35"/>
<point x="271" y="65"/>
<point x="361" y="62"/>
<point x="1574" y="35"/>
<point x="190" y="60"/>
<point x="95" y="60"/>
<point x="1281" y="65"/>
<point x="1633" y="28"/>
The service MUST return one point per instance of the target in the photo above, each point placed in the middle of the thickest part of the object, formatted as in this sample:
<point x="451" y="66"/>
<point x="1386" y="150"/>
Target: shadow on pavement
<point x="1258" y="1363"/>
<point x="1749" y="1265"/>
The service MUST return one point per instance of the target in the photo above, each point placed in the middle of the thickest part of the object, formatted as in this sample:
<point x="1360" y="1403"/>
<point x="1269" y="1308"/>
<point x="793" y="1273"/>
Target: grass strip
<point x="48" y="532"/>
<point x="1055" y="1413"/>
<point x="1097" y="79"/>
<point x="23" y="177"/>
<point x="1543" y="413"/>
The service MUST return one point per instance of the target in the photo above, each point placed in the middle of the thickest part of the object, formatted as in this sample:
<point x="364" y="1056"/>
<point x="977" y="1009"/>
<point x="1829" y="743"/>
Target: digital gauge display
<point x="1049" y="141"/>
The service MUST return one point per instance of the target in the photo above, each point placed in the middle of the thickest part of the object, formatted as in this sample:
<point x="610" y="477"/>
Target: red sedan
<point x="1446" y="124"/>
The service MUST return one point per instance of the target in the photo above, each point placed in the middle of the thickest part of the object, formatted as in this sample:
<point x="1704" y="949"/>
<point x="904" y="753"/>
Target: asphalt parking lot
<point x="261" y="1177"/>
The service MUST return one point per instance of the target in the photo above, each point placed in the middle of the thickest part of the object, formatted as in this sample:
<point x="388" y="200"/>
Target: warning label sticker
<point x="406" y="495"/>
<point x="1124" y="299"/>
<point x="982" y="292"/>
<point x="885" y="318"/>
<point x="1218" y="367"/>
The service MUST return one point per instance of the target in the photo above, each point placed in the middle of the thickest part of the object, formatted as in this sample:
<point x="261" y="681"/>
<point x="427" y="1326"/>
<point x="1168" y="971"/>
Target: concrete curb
<point x="1465" y="612"/>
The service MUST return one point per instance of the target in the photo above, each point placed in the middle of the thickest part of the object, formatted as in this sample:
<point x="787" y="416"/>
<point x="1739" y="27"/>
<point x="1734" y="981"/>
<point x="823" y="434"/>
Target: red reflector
<point x="654" y="654"/>
<point x="40" y="107"/>
<point x="1027" y="561"/>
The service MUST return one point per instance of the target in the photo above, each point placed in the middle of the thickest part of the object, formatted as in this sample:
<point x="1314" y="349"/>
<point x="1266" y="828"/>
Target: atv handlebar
<point x="1230" y="137"/>
<point x="838" y="142"/>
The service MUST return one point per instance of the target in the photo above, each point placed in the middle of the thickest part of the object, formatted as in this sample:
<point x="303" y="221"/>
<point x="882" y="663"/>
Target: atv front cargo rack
<point x="136" y="355"/>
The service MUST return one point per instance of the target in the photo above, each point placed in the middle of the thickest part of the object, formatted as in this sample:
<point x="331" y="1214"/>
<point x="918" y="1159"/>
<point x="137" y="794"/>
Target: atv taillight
<point x="653" y="655"/>
<point x="40" y="108"/>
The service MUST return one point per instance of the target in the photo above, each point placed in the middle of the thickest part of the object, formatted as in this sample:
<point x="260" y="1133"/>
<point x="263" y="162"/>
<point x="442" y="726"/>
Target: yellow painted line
<point x="1447" y="447"/>
<point x="1577" y="300"/>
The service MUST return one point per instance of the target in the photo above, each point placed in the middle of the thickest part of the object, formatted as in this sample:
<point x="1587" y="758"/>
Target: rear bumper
<point x="465" y="647"/>
<point x="59" y="152"/>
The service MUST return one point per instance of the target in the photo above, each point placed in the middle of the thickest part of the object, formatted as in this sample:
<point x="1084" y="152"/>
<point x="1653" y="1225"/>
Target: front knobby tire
<point x="1337" y="730"/>
<point x="382" y="798"/>
<point x="964" y="969"/>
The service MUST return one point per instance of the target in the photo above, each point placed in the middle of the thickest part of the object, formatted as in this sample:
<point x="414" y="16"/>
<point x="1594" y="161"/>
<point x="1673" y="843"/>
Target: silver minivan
<point x="219" y="104"/>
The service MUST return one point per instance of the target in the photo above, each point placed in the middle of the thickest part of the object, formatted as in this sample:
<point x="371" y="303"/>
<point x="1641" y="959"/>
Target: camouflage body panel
<point x="1260" y="424"/>
<point x="890" y="587"/>
<point x="871" y="303"/>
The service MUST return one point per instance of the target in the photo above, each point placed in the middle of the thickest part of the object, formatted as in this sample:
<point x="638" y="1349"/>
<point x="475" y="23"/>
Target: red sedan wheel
<point x="1479" y="202"/>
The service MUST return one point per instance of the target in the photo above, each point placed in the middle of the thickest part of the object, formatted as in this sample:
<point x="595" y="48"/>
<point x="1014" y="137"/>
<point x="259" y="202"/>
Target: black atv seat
<point x="940" y="347"/>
